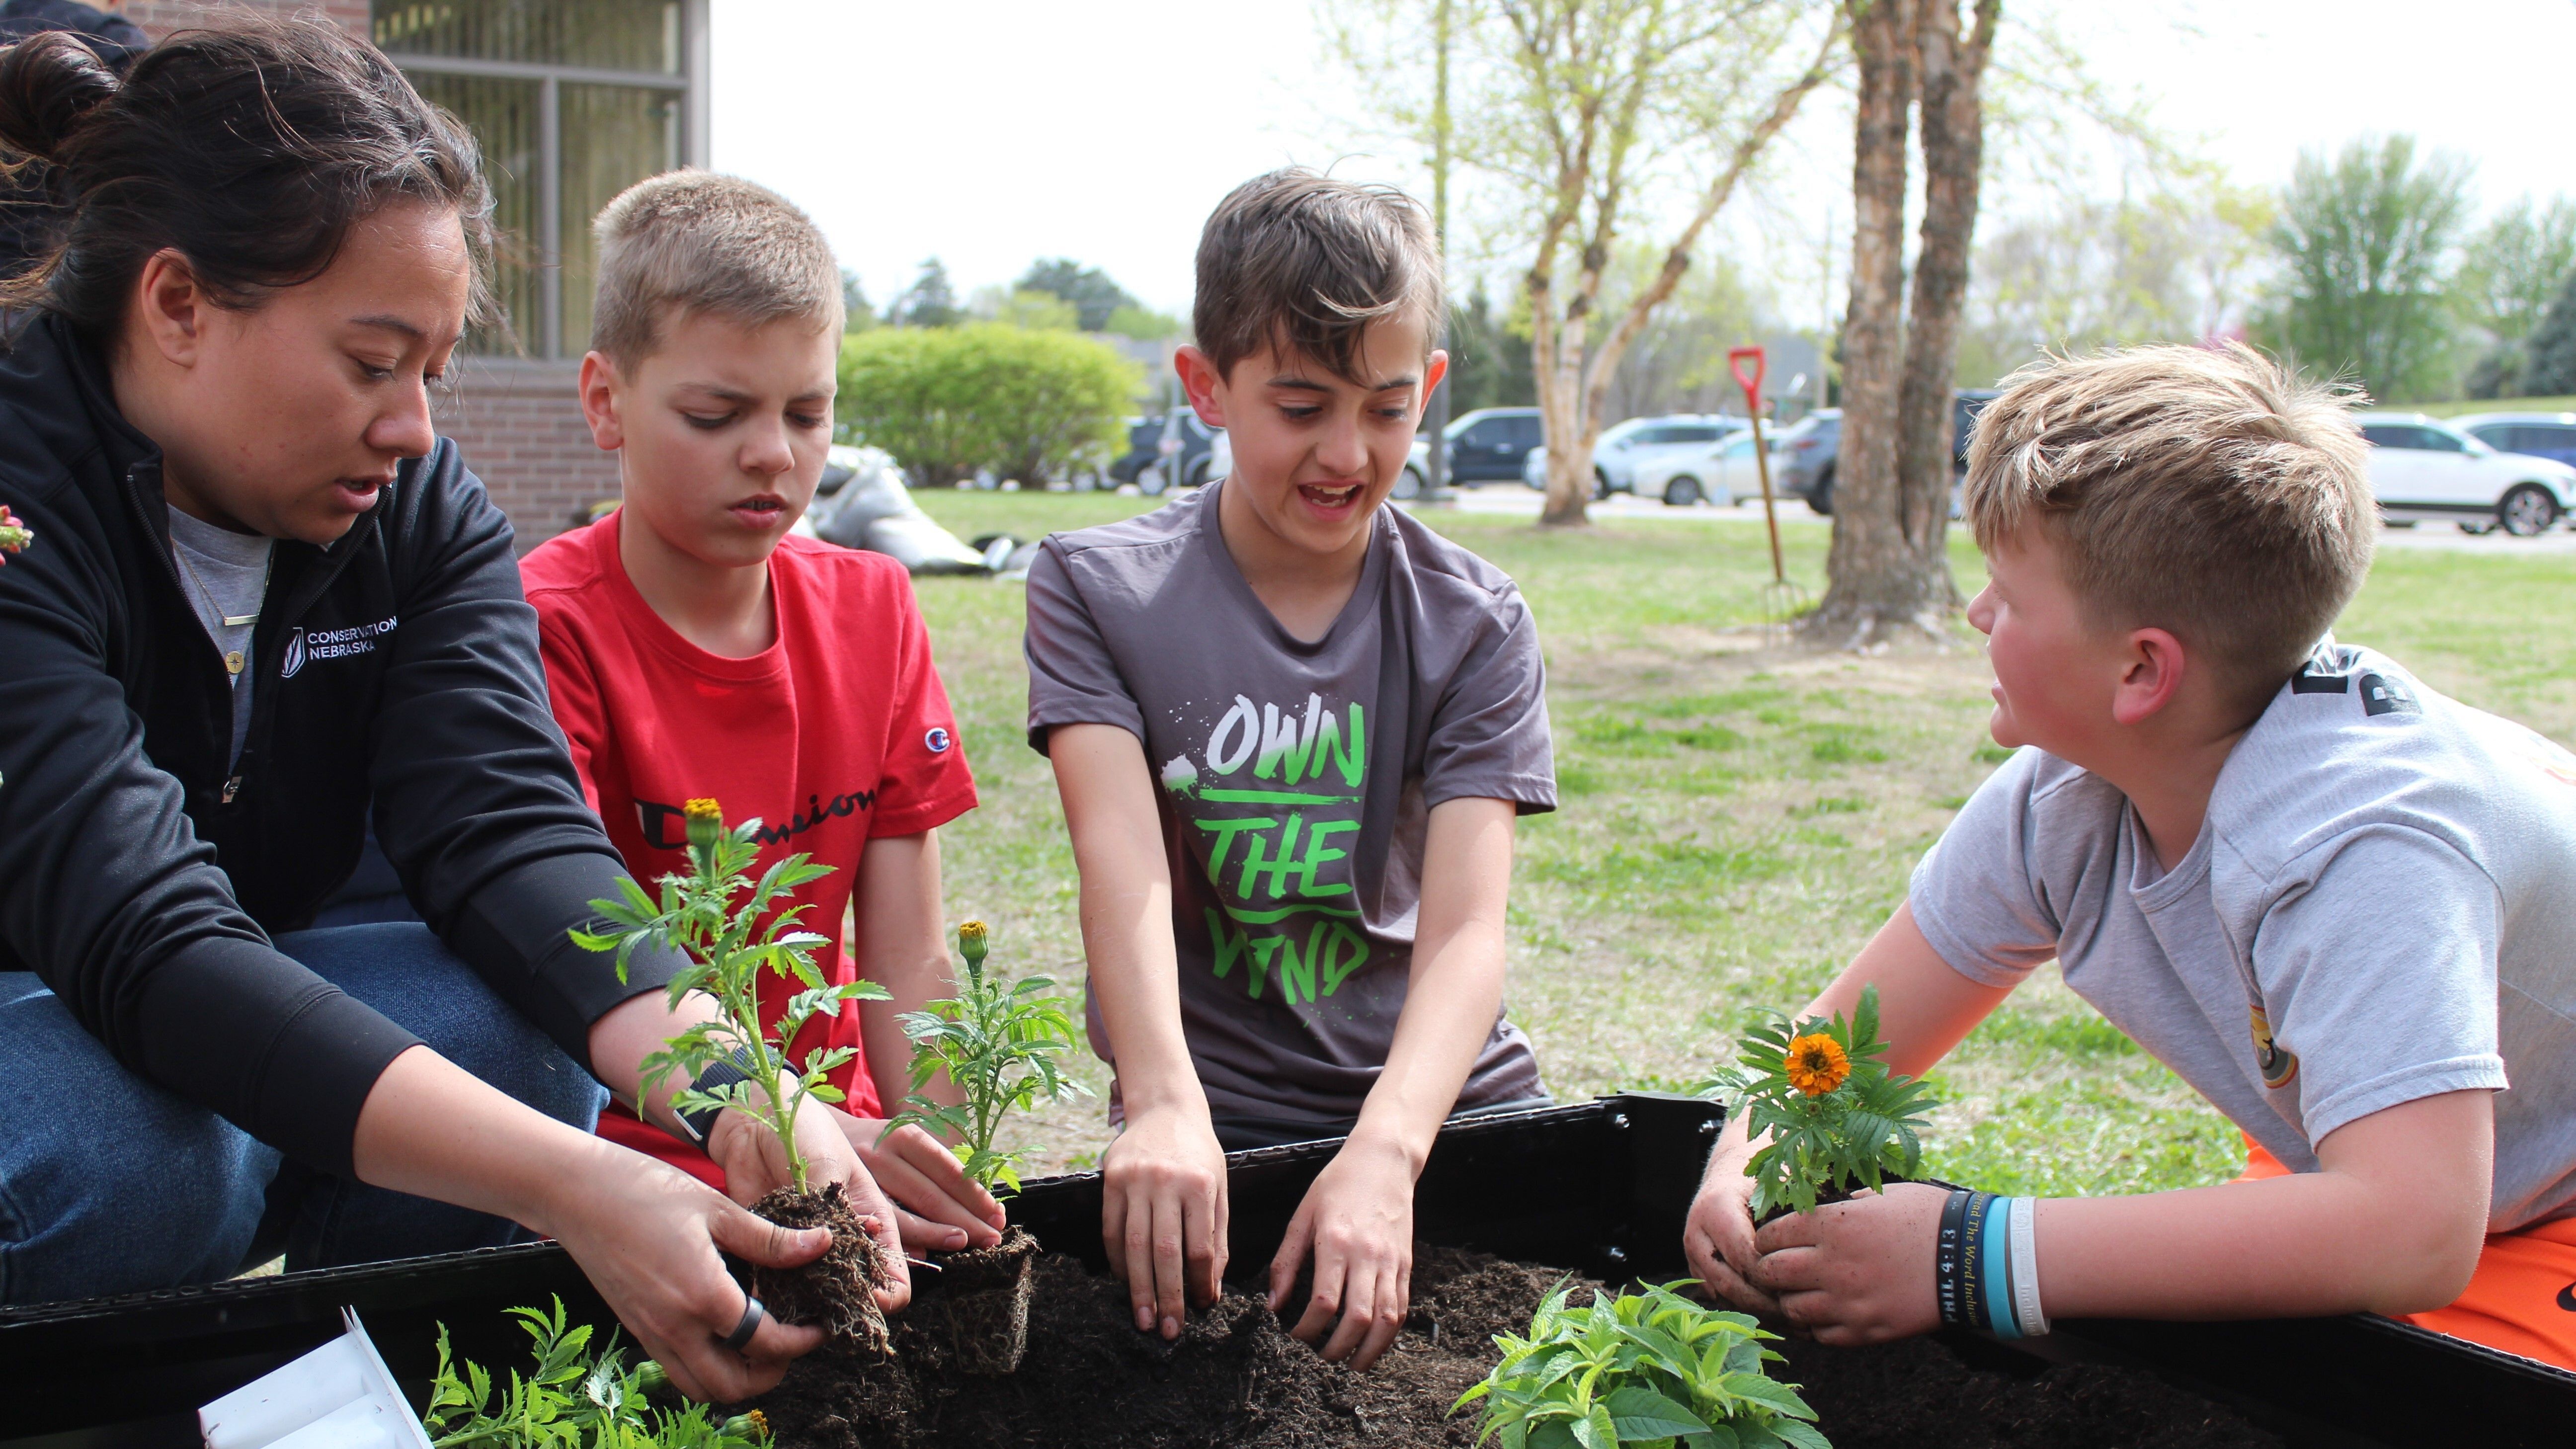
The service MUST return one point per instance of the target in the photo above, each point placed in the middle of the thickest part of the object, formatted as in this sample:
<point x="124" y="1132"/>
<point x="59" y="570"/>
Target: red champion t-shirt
<point x="837" y="734"/>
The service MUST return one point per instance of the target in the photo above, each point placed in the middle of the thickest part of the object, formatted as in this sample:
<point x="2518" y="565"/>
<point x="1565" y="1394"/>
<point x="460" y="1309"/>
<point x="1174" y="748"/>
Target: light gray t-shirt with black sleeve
<point x="225" y="576"/>
<point x="1296" y="780"/>
<point x="2381" y="907"/>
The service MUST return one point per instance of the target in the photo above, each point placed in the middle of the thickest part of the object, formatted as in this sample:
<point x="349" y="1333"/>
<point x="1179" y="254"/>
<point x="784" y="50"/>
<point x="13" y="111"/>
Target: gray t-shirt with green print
<point x="1296" y="780"/>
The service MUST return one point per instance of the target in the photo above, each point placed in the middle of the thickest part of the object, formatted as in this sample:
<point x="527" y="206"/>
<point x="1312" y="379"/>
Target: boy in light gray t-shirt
<point x="2339" y="905"/>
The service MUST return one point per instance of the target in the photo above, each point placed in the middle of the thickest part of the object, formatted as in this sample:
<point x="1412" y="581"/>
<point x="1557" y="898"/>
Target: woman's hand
<point x="1858" y="1271"/>
<point x="1163" y="1214"/>
<point x="1717" y="1238"/>
<point x="1358" y="1222"/>
<point x="937" y="1206"/>
<point x="647" y="1235"/>
<point x="755" y="1165"/>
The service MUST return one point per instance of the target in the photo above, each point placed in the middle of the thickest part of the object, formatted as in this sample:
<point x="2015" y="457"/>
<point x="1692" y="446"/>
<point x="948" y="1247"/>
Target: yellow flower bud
<point x="970" y="942"/>
<point x="705" y="822"/>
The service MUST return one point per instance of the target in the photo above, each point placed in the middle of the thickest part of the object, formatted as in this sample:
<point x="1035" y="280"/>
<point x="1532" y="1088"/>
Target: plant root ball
<point x="837" y="1291"/>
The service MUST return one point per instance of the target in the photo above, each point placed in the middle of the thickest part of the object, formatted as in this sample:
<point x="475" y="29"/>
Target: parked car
<point x="2422" y="469"/>
<point x="1802" y="458"/>
<point x="1143" y="434"/>
<point x="1625" y="447"/>
<point x="2538" y="435"/>
<point x="1487" y="445"/>
<point x="1719" y="473"/>
<point x="1813" y="454"/>
<point x="1184" y="446"/>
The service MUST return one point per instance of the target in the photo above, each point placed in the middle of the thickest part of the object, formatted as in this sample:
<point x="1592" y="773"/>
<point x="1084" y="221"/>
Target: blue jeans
<point x="109" y="1184"/>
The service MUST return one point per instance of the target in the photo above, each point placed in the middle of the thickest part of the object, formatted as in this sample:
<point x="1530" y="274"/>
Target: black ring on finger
<point x="742" y="1332"/>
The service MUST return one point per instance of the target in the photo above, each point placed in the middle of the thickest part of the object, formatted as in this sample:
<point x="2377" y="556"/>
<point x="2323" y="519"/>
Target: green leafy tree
<point x="1026" y="404"/>
<point x="2508" y="274"/>
<point x="730" y="951"/>
<point x="1489" y="360"/>
<point x="929" y="302"/>
<point x="1650" y="1368"/>
<point x="2550" y="366"/>
<point x="2367" y="244"/>
<point x="571" y="1400"/>
<point x="1837" y="1117"/>
<point x="998" y="1045"/>
<point x="1095" y="298"/>
<point x="1024" y="308"/>
<point x="1144" y="324"/>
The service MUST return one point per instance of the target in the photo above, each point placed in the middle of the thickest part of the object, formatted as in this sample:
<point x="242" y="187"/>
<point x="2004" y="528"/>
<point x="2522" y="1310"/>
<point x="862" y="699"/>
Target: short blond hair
<point x="2208" y="491"/>
<point x="693" y="241"/>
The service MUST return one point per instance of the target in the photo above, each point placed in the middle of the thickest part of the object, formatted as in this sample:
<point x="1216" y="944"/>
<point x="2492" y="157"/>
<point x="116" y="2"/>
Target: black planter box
<point x="1602" y="1187"/>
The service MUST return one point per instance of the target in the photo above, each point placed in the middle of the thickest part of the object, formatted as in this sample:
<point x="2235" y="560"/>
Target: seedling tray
<point x="1602" y="1187"/>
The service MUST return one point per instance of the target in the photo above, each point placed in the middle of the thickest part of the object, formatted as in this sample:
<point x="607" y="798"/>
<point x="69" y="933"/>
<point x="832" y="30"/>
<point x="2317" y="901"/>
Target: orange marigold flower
<point x="1817" y="1064"/>
<point x="702" y="808"/>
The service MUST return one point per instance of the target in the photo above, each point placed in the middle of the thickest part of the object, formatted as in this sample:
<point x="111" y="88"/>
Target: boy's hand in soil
<point x="755" y="1166"/>
<point x="1717" y="1239"/>
<point x="937" y="1206"/>
<point x="1358" y="1221"/>
<point x="1358" y="1217"/>
<point x="1163" y="1214"/>
<point x="1857" y="1271"/>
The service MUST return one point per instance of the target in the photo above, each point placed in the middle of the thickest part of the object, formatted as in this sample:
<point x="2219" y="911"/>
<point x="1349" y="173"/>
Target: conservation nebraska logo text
<point x="312" y="646"/>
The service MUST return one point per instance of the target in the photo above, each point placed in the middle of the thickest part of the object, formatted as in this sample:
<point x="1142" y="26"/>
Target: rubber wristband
<point x="1997" y="1254"/>
<point x="1972" y="1263"/>
<point x="2025" y="1267"/>
<point x="1946" y="1247"/>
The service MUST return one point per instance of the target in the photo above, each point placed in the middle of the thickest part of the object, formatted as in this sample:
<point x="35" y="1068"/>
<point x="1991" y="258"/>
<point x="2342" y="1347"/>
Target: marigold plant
<point x="1837" y="1117"/>
<point x="730" y="950"/>
<point x="999" y="1045"/>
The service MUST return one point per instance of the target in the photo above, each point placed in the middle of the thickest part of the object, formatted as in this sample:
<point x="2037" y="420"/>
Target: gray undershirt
<point x="225" y="575"/>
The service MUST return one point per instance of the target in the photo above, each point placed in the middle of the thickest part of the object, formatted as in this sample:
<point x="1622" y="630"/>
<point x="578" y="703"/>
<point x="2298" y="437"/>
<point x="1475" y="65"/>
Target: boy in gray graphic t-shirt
<point x="2333" y="901"/>
<point x="1292" y="729"/>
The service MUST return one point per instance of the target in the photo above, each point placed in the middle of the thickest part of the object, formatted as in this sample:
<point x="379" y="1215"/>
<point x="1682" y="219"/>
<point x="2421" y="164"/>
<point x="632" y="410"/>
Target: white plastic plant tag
<point x="339" y="1396"/>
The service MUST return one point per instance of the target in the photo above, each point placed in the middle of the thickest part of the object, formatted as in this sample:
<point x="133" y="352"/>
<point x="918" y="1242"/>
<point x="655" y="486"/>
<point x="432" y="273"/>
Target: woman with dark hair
<point x="263" y="599"/>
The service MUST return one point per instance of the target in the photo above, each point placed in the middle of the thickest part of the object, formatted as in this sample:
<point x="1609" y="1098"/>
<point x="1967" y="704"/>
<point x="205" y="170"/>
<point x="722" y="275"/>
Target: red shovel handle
<point x="1752" y="385"/>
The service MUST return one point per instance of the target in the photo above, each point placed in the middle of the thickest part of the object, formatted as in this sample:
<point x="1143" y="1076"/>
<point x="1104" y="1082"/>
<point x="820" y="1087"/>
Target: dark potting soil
<point x="837" y="1291"/>
<point x="1235" y="1377"/>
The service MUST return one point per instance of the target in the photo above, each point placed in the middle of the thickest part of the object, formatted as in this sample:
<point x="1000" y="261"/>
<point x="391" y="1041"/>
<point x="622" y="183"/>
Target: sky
<point x="993" y="134"/>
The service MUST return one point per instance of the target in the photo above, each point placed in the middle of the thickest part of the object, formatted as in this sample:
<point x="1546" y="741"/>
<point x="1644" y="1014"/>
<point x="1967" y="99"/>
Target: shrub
<point x="945" y="402"/>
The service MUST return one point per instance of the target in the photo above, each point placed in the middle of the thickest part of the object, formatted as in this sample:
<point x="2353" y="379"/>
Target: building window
<point x="573" y="101"/>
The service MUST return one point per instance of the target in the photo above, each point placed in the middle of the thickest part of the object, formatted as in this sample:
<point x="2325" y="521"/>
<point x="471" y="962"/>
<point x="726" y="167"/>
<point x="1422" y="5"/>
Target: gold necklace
<point x="234" y="663"/>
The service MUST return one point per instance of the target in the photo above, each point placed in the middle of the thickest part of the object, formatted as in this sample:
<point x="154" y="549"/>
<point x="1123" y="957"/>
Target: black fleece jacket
<point x="141" y="879"/>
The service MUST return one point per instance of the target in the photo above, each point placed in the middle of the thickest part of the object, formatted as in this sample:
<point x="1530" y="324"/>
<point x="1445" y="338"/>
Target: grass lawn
<point x="1737" y="819"/>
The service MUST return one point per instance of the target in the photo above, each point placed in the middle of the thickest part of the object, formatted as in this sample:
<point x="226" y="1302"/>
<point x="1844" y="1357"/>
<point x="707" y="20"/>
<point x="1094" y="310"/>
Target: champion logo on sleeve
<point x="937" y="740"/>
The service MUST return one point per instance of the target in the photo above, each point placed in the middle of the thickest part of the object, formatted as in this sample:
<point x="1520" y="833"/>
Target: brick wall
<point x="518" y="422"/>
<point x="520" y="426"/>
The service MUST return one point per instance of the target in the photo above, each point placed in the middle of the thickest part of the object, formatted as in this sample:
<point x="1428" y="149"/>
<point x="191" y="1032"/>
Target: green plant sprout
<point x="1836" y="1115"/>
<point x="999" y="1045"/>
<point x="729" y="951"/>
<point x="1645" y="1368"/>
<point x="572" y="1400"/>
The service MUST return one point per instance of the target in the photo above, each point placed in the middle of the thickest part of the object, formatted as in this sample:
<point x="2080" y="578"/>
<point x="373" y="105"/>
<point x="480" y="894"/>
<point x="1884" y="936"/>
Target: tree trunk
<point x="1953" y="149"/>
<point x="1877" y="589"/>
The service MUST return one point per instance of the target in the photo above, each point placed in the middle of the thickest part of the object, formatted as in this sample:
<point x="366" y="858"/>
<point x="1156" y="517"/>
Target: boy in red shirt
<point x="693" y="648"/>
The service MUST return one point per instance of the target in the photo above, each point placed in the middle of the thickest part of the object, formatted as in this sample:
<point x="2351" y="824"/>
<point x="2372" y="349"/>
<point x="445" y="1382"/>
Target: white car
<point x="2421" y="468"/>
<point x="1720" y="474"/>
<point x="1625" y="447"/>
